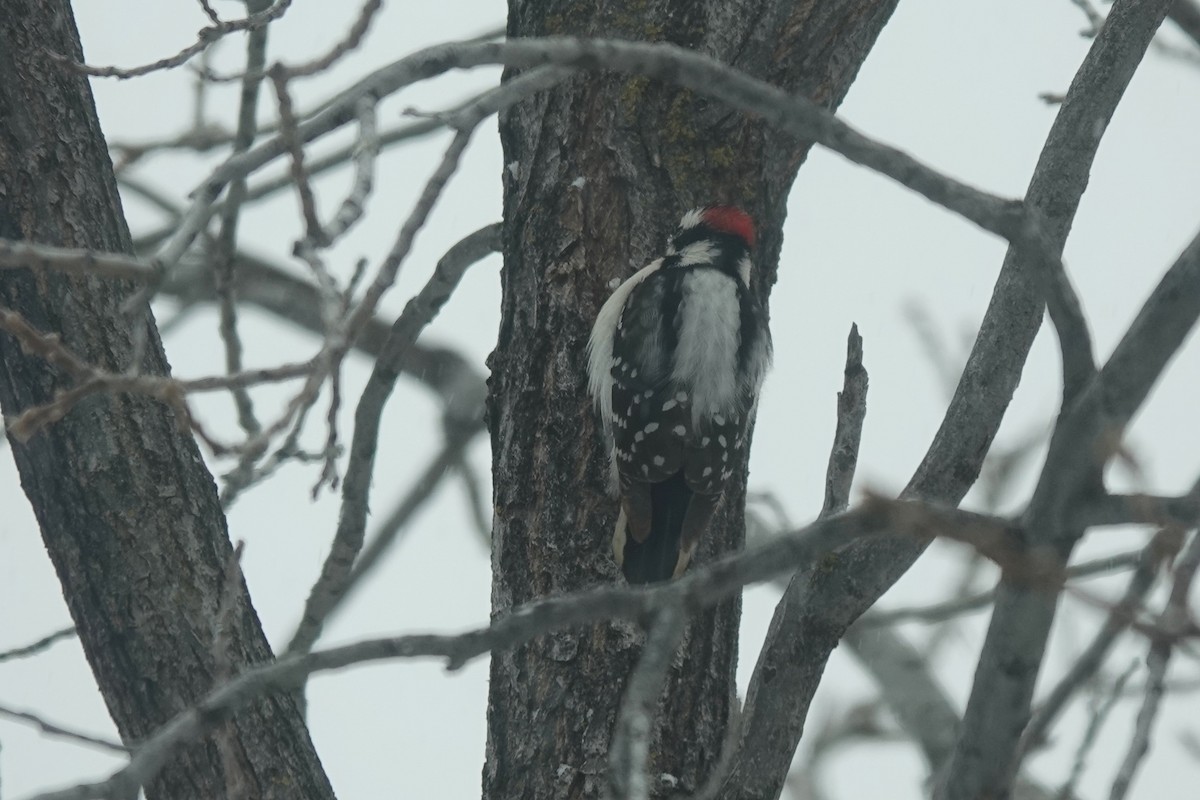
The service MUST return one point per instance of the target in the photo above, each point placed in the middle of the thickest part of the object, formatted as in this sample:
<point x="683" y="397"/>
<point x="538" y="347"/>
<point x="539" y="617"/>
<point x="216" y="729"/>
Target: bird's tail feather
<point x="654" y="559"/>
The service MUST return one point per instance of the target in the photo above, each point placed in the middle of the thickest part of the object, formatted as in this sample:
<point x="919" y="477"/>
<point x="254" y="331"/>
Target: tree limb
<point x="807" y="629"/>
<point x="337" y="571"/>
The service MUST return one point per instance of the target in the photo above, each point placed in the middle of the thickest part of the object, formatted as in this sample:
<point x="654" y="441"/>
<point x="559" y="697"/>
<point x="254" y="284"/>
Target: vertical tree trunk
<point x="128" y="512"/>
<point x="596" y="176"/>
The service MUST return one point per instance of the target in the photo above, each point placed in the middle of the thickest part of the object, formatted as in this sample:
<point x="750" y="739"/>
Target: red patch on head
<point x="731" y="220"/>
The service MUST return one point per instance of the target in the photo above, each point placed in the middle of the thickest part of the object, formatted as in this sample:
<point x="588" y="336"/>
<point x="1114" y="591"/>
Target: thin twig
<point x="354" y="37"/>
<point x="53" y="729"/>
<point x="421" y="492"/>
<point x="336" y="573"/>
<point x="41" y="645"/>
<point x="295" y="148"/>
<point x="210" y="12"/>
<point x="1092" y="658"/>
<point x="1094" y="17"/>
<point x="226" y="241"/>
<point x="339" y="340"/>
<point x="206" y="38"/>
<point x="1174" y="622"/>
<point x="791" y="113"/>
<point x="1101" y="708"/>
<point x="941" y="612"/>
<point x="92" y="380"/>
<point x="366" y="149"/>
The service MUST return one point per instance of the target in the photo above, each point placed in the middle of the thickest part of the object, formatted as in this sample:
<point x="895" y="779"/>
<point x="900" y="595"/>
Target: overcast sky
<point x="955" y="84"/>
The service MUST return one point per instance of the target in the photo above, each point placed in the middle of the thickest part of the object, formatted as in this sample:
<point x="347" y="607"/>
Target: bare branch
<point x="852" y="410"/>
<point x="226" y="242"/>
<point x="295" y="148"/>
<point x="1186" y="14"/>
<point x="1084" y="438"/>
<point x="297" y="301"/>
<point x="791" y="113"/>
<point x="41" y="645"/>
<point x="206" y="38"/>
<point x="629" y="749"/>
<point x="21" y="255"/>
<point x="909" y="690"/>
<point x="941" y="612"/>
<point x="696" y="591"/>
<point x="701" y="589"/>
<point x="210" y="12"/>
<point x="1141" y="509"/>
<point x="365" y="151"/>
<point x="92" y="380"/>
<point x="339" y="112"/>
<point x="52" y="729"/>
<point x="1092" y="658"/>
<point x="807" y="625"/>
<point x="1094" y="17"/>
<point x="1173" y="623"/>
<point x="1100" y="711"/>
<point x="348" y="44"/>
<point x="1066" y="314"/>
<point x="983" y="761"/>
<point x="336" y="573"/>
<point x="457" y="439"/>
<point x="1164" y="321"/>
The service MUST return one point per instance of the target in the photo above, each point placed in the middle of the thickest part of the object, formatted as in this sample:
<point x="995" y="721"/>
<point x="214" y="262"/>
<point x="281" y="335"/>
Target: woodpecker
<point x="676" y="359"/>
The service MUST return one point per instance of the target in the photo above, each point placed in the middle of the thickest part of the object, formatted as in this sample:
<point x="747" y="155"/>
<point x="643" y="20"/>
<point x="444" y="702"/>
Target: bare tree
<point x="609" y="117"/>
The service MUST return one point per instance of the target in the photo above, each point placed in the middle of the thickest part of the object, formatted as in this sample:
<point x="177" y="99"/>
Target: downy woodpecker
<point x="675" y="362"/>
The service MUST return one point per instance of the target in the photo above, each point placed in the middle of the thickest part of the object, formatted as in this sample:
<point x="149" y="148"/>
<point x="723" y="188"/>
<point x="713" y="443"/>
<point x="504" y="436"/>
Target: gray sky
<point x="955" y="84"/>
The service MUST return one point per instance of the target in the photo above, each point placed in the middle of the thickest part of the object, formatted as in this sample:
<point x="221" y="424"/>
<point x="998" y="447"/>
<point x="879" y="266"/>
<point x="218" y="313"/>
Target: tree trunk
<point x="596" y="176"/>
<point x="128" y="512"/>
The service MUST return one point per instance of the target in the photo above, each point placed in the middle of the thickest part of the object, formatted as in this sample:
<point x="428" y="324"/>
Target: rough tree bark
<point x="128" y="512"/>
<point x="596" y="175"/>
